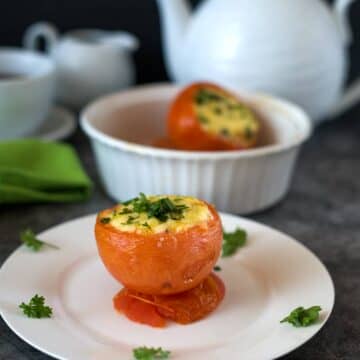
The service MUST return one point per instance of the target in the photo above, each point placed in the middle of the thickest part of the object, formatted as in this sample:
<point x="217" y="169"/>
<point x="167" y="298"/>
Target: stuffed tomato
<point x="159" y="245"/>
<point x="206" y="117"/>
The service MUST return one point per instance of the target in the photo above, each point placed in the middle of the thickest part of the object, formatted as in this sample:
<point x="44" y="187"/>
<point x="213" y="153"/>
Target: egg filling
<point x="222" y="114"/>
<point x="156" y="214"/>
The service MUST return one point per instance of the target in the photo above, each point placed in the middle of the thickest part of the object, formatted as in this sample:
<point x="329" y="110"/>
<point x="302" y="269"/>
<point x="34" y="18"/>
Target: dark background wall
<point x="137" y="16"/>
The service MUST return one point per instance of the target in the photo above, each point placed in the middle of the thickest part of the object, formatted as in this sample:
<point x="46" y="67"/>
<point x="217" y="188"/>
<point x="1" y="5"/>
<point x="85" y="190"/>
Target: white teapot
<point x="291" y="48"/>
<point x="89" y="62"/>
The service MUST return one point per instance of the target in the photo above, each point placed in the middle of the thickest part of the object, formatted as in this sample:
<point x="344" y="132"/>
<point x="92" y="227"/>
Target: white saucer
<point x="269" y="277"/>
<point x="59" y="125"/>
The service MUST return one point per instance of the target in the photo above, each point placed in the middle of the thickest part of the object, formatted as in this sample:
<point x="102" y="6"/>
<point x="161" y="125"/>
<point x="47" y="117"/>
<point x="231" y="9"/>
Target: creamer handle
<point x="39" y="30"/>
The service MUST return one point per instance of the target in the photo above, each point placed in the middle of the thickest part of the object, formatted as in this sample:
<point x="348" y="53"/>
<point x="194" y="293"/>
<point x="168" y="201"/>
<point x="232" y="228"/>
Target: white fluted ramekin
<point x="239" y="182"/>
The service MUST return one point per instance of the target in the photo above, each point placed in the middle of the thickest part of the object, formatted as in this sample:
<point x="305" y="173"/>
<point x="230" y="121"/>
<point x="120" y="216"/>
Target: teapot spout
<point x="175" y="16"/>
<point x="341" y="8"/>
<point x="121" y="40"/>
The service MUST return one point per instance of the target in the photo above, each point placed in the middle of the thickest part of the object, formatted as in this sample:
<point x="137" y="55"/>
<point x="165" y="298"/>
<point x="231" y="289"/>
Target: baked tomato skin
<point x="192" y="305"/>
<point x="140" y="311"/>
<point x="185" y="130"/>
<point x="160" y="263"/>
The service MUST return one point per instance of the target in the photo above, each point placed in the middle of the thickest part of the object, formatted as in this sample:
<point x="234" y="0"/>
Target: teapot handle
<point x="350" y="98"/>
<point x="352" y="94"/>
<point x="39" y="30"/>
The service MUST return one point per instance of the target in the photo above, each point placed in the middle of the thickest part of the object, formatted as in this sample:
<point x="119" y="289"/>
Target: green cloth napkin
<point x="36" y="171"/>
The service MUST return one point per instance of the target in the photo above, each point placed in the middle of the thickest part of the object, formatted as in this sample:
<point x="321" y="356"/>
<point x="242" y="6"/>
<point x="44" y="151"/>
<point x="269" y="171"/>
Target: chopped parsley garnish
<point x="145" y="353"/>
<point x="248" y="133"/>
<point x="105" y="220"/>
<point x="225" y="132"/>
<point x="130" y="220"/>
<point x="140" y="204"/>
<point x="203" y="119"/>
<point x="217" y="268"/>
<point x="301" y="317"/>
<point x="218" y="111"/>
<point x="29" y="239"/>
<point x="206" y="95"/>
<point x="36" y="308"/>
<point x="165" y="209"/>
<point x="233" y="241"/>
<point x="162" y="209"/>
<point x="125" y="211"/>
<point x="145" y="224"/>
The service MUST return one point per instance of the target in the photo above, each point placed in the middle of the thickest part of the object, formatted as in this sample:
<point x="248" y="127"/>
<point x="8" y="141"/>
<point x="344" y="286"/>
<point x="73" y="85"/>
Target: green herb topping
<point x="204" y="95"/>
<point x="130" y="220"/>
<point x="105" y="220"/>
<point x="233" y="241"/>
<point x="218" y="111"/>
<point x="217" y="268"/>
<point x="301" y="317"/>
<point x="36" y="308"/>
<point x="203" y="119"/>
<point x="145" y="353"/>
<point x="248" y="133"/>
<point x="29" y="239"/>
<point x="222" y="114"/>
<point x="162" y="209"/>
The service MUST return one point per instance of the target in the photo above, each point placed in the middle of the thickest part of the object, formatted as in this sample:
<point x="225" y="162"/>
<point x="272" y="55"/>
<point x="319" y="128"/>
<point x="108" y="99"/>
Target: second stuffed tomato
<point x="206" y="117"/>
<point x="159" y="245"/>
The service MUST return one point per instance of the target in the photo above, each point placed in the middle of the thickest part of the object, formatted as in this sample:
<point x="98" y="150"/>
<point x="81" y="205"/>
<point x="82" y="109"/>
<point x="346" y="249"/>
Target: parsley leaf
<point x="36" y="308"/>
<point x="301" y="317"/>
<point x="232" y="241"/>
<point x="145" y="353"/>
<point x="29" y="239"/>
<point x="217" y="268"/>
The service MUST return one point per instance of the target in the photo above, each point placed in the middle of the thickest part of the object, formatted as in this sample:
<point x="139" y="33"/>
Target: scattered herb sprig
<point x="36" y="308"/>
<point x="145" y="353"/>
<point x="301" y="317"/>
<point x="233" y="241"/>
<point x="217" y="268"/>
<point x="29" y="239"/>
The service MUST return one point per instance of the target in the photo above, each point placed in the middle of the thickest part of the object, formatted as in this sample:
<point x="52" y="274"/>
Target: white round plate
<point x="59" y="124"/>
<point x="269" y="277"/>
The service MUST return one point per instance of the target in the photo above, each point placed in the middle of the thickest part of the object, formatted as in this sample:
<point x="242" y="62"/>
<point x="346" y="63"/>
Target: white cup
<point x="27" y="89"/>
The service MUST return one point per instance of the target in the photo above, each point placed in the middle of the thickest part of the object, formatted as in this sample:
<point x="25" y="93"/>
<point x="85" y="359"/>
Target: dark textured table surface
<point x="322" y="210"/>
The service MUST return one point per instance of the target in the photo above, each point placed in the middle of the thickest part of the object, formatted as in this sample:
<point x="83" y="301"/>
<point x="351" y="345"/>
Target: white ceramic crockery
<point x="25" y="99"/>
<point x="59" y="125"/>
<point x="269" y="277"/>
<point x="89" y="62"/>
<point x="123" y="126"/>
<point x="293" y="49"/>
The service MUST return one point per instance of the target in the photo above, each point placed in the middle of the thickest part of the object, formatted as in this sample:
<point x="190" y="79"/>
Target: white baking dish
<point x="122" y="126"/>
